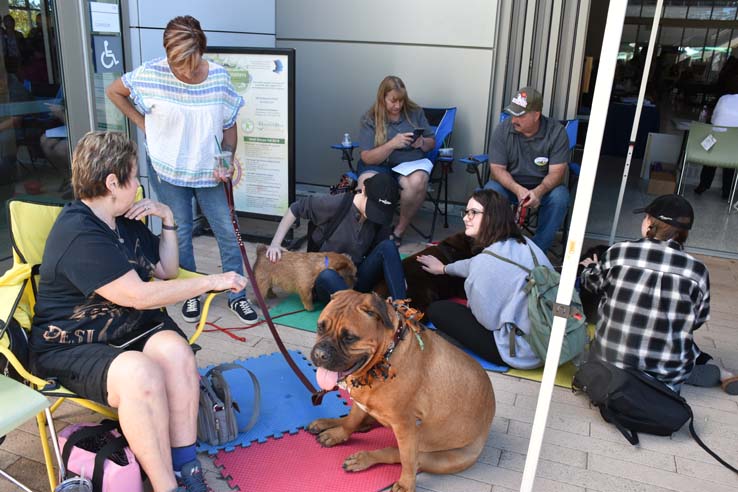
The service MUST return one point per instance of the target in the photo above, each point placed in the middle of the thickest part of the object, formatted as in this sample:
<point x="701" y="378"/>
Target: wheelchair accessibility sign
<point x="108" y="51"/>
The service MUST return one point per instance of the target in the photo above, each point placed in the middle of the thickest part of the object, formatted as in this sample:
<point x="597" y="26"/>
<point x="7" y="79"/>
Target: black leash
<point x="317" y="396"/>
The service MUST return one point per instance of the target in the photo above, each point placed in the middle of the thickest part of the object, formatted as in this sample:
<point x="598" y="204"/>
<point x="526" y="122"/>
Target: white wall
<point x="443" y="52"/>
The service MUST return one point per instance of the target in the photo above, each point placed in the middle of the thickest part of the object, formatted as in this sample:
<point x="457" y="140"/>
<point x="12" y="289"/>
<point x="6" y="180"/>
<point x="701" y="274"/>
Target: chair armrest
<point x="474" y="160"/>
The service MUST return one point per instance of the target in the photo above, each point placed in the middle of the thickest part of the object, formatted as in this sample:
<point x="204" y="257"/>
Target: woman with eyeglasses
<point x="496" y="316"/>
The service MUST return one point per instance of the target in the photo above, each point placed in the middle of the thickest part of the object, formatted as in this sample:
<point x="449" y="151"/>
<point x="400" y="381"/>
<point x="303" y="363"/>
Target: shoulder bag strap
<point x="84" y="433"/>
<point x="533" y="255"/>
<point x="114" y="445"/>
<point x="256" y="407"/>
<point x="527" y="270"/>
<point x="333" y="224"/>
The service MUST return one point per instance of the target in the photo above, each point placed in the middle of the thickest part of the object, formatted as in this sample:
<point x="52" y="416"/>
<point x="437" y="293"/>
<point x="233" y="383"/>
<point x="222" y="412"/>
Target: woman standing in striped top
<point x="182" y="102"/>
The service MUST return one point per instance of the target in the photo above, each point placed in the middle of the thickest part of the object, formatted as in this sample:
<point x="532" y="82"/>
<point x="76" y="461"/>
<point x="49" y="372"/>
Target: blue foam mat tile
<point x="286" y="406"/>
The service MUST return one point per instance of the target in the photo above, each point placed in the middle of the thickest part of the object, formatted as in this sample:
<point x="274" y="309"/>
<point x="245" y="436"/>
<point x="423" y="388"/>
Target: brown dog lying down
<point x="437" y="400"/>
<point x="423" y="288"/>
<point x="296" y="272"/>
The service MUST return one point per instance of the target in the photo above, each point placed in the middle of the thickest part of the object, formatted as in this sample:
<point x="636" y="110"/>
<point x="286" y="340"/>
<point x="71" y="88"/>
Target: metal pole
<point x="603" y="86"/>
<point x="637" y="117"/>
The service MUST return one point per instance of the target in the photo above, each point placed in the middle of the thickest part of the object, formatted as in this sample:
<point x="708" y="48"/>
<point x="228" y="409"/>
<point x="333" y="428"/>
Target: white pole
<point x="637" y="117"/>
<point x="603" y="86"/>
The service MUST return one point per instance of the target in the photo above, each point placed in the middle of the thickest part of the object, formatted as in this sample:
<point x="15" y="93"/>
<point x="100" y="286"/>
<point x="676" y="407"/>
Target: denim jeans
<point x="214" y="206"/>
<point x="551" y="211"/>
<point x="383" y="259"/>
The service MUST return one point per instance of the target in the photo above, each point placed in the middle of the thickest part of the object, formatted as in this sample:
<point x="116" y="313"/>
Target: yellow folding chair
<point x="29" y="224"/>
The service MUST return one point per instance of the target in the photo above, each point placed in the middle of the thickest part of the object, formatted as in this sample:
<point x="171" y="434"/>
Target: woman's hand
<point x="418" y="143"/>
<point x="147" y="207"/>
<point x="401" y="140"/>
<point x="274" y="253"/>
<point x="228" y="281"/>
<point x="224" y="169"/>
<point x="431" y="264"/>
<point x="589" y="261"/>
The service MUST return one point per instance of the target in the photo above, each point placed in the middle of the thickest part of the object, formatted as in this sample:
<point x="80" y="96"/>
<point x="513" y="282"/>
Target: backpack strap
<point x="507" y="260"/>
<point x="256" y="407"/>
<point x="533" y="255"/>
<point x="709" y="451"/>
<point x="345" y="206"/>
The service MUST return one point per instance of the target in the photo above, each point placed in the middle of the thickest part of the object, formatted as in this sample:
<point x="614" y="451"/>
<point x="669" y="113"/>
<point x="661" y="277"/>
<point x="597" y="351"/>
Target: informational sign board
<point x="264" y="179"/>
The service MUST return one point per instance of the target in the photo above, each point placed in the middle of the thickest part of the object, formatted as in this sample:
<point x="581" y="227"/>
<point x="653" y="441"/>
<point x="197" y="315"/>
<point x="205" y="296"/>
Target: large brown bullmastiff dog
<point x="437" y="400"/>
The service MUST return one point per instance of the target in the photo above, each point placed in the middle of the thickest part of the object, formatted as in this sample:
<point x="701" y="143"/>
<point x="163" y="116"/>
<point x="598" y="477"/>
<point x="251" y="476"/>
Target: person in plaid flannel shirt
<point x="653" y="295"/>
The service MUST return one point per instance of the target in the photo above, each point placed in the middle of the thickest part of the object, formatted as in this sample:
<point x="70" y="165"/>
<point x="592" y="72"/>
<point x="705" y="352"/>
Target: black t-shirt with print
<point x="83" y="254"/>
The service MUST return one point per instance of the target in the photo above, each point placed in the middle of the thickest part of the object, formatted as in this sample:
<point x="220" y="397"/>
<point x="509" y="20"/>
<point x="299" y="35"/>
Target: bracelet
<point x="444" y="270"/>
<point x="170" y="227"/>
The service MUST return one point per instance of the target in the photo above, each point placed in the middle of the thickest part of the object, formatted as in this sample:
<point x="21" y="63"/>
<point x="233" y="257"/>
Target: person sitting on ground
<point x="528" y="160"/>
<point x="653" y="297"/>
<point x="362" y="233"/>
<point x="497" y="309"/>
<point x="98" y="325"/>
<point x="386" y="140"/>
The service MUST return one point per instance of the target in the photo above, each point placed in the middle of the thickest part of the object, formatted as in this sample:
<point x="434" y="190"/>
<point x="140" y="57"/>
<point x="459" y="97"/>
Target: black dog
<point x="424" y="288"/>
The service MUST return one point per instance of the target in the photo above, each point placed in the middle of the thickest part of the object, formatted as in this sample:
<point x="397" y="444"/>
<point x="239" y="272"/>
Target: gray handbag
<point x="216" y="417"/>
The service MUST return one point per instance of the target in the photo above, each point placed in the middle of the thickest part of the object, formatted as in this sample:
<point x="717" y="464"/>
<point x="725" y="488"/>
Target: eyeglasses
<point x="471" y="213"/>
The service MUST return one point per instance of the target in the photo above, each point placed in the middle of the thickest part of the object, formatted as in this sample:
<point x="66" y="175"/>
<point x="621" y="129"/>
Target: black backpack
<point x="635" y="402"/>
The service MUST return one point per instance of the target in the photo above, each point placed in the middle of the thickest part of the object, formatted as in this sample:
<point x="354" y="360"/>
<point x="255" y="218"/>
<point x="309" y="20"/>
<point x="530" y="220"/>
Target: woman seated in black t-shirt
<point x="98" y="326"/>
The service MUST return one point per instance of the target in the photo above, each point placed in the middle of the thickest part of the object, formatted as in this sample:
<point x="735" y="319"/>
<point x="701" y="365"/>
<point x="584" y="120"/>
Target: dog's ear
<point x="376" y="308"/>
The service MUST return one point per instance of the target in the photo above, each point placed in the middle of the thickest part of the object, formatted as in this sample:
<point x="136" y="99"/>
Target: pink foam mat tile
<point x="297" y="463"/>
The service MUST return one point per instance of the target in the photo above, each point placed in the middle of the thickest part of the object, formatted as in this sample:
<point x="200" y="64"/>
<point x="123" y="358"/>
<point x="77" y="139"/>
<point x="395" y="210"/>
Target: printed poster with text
<point x="261" y="180"/>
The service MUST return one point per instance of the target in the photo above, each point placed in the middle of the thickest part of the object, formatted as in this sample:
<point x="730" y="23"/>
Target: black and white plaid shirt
<point x="654" y="295"/>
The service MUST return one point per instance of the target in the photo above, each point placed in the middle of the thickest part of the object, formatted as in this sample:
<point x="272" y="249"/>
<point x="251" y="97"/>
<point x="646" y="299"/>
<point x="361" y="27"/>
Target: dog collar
<point x="325" y="260"/>
<point x="409" y="319"/>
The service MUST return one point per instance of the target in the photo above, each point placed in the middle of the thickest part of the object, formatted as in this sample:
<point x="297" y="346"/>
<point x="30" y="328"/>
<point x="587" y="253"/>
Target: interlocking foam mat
<point x="285" y="403"/>
<point x="304" y="320"/>
<point x="297" y="463"/>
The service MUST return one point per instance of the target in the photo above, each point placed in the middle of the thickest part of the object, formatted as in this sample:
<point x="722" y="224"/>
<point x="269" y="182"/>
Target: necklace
<point x="120" y="239"/>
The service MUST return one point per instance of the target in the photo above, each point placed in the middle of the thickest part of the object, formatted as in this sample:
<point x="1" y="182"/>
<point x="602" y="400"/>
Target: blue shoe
<point x="191" y="479"/>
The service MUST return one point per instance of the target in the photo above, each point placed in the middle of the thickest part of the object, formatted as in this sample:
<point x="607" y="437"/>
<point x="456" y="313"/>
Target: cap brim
<point x="639" y="210"/>
<point x="378" y="215"/>
<point x="515" y="112"/>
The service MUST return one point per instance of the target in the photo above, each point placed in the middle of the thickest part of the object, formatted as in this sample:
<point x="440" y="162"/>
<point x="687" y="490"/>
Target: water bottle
<point x="703" y="114"/>
<point x="346" y="142"/>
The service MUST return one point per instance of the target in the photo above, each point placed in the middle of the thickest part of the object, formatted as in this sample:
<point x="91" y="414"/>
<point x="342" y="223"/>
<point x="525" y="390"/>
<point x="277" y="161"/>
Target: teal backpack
<point x="541" y="288"/>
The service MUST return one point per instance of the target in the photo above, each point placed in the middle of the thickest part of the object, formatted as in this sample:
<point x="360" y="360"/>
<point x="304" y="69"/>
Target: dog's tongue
<point x="326" y="379"/>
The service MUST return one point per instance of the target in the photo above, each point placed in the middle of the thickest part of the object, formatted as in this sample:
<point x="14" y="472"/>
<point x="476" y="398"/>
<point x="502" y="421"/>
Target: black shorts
<point x="83" y="368"/>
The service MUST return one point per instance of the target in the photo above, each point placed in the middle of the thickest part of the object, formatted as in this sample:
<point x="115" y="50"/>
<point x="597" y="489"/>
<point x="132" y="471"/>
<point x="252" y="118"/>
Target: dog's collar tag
<point x="325" y="260"/>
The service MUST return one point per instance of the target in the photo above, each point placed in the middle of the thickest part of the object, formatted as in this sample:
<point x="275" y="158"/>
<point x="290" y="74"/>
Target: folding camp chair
<point x="442" y="122"/>
<point x="723" y="153"/>
<point x="29" y="224"/>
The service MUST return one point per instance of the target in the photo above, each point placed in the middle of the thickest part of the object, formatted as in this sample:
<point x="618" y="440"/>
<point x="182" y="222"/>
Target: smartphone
<point x="417" y="133"/>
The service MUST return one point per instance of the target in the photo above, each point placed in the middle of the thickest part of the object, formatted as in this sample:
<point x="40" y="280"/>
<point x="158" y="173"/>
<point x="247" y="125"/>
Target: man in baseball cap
<point x="529" y="154"/>
<point x="674" y="210"/>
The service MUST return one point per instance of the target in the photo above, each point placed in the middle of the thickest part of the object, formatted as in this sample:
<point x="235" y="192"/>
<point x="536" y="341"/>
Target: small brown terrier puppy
<point x="296" y="272"/>
<point x="437" y="400"/>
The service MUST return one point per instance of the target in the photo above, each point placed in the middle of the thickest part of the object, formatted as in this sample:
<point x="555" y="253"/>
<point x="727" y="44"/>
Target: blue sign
<point x="108" y="54"/>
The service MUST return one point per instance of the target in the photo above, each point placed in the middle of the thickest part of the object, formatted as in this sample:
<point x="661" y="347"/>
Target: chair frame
<point x="50" y="387"/>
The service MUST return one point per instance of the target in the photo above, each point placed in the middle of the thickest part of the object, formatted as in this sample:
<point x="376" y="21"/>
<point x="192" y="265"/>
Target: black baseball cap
<point x="674" y="210"/>
<point x="382" y="196"/>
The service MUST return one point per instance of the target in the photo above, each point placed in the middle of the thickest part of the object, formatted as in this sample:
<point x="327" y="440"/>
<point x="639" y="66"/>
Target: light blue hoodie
<point x="494" y="289"/>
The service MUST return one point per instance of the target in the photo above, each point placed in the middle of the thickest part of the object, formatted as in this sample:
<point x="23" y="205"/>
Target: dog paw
<point x="319" y="425"/>
<point x="358" y="462"/>
<point x="330" y="437"/>
<point x="396" y="487"/>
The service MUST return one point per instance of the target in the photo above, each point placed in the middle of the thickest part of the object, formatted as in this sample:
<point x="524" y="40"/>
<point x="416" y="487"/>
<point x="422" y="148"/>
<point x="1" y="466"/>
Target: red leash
<point x="317" y="396"/>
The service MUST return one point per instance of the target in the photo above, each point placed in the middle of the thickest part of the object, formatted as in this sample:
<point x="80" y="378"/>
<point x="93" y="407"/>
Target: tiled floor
<point x="580" y="451"/>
